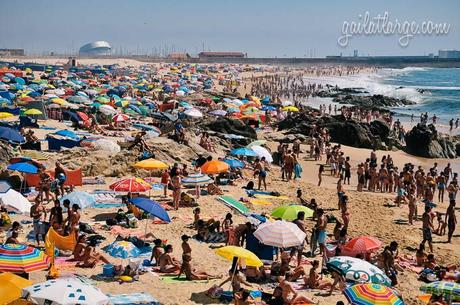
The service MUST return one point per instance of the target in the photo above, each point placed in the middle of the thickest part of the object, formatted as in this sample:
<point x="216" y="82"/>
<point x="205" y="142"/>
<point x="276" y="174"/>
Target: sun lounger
<point x="235" y="204"/>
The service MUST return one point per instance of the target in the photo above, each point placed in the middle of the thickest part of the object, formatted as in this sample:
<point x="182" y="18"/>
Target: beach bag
<point x="214" y="292"/>
<point x="132" y="221"/>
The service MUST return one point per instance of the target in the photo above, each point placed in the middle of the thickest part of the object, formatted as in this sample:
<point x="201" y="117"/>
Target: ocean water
<point x="434" y="90"/>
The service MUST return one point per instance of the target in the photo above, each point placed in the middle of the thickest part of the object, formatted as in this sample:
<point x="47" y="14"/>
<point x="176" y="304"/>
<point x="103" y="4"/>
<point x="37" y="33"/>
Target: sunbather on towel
<point x="192" y="274"/>
<point x="87" y="254"/>
<point x="168" y="264"/>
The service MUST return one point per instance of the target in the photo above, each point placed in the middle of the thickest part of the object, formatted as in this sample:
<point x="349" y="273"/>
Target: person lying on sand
<point x="192" y="274"/>
<point x="86" y="254"/>
<point x="167" y="263"/>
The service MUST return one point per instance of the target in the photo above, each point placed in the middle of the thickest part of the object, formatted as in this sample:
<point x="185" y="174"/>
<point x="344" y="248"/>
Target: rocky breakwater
<point x="425" y="141"/>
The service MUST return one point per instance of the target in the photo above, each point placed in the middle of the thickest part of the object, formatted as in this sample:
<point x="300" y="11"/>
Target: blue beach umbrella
<point x="123" y="249"/>
<point x="83" y="199"/>
<point x="151" y="207"/>
<point x="243" y="151"/>
<point x="11" y="135"/>
<point x="67" y="133"/>
<point x="23" y="167"/>
<point x="234" y="163"/>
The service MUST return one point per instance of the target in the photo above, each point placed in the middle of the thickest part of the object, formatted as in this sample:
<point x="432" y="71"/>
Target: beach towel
<point x="235" y="204"/>
<point x="132" y="298"/>
<point x="263" y="196"/>
<point x="53" y="239"/>
<point x="174" y="280"/>
<point x="259" y="202"/>
<point x="251" y="193"/>
<point x="107" y="205"/>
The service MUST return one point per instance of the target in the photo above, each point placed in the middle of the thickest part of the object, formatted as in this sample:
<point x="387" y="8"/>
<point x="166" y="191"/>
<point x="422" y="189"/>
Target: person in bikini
<point x="86" y="254"/>
<point x="313" y="280"/>
<point x="192" y="274"/>
<point x="167" y="263"/>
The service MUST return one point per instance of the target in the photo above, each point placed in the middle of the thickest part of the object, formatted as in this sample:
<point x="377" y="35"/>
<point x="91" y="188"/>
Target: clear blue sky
<point x="293" y="28"/>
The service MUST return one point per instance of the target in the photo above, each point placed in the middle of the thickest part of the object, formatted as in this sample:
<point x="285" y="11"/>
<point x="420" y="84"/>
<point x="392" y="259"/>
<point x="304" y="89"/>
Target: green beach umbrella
<point x="289" y="212"/>
<point x="443" y="288"/>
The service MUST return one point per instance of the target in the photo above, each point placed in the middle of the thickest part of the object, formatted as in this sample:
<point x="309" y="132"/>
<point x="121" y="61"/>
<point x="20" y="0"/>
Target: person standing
<point x="177" y="186"/>
<point x="389" y="255"/>
<point x="321" y="233"/>
<point x="451" y="220"/>
<point x="38" y="213"/>
<point x="427" y="228"/>
<point x="300" y="222"/>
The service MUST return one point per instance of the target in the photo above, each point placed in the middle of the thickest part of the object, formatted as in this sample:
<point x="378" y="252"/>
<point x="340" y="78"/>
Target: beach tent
<point x="14" y="201"/>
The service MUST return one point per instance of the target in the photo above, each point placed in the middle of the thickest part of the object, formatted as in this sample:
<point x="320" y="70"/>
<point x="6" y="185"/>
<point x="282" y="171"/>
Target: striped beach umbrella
<point x="281" y="234"/>
<point x="123" y="249"/>
<point x="196" y="179"/>
<point x="371" y="294"/>
<point x="120" y="117"/>
<point x="362" y="244"/>
<point x="21" y="258"/>
<point x="443" y="288"/>
<point x="358" y="270"/>
<point x="134" y="185"/>
<point x="64" y="291"/>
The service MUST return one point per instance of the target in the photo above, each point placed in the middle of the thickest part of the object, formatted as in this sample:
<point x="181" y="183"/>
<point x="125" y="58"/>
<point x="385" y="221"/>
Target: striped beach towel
<point x="233" y="203"/>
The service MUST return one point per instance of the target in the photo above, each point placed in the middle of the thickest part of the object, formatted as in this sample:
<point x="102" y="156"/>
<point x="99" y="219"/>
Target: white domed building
<point x="98" y="48"/>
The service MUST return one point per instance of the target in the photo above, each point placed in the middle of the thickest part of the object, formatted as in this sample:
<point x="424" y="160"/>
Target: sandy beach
<point x="372" y="213"/>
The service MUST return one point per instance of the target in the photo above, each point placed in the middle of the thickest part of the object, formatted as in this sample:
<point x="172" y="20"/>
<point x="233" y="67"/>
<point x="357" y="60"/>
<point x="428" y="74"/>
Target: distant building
<point x="449" y="54"/>
<point x="97" y="48"/>
<point x="221" y="55"/>
<point x="355" y="53"/>
<point x="12" y="52"/>
<point x="179" y="56"/>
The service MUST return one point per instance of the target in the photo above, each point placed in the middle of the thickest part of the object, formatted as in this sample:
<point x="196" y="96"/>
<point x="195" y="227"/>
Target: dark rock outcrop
<point x="343" y="131"/>
<point x="6" y="153"/>
<point x="425" y="141"/>
<point x="372" y="101"/>
<point x="230" y="126"/>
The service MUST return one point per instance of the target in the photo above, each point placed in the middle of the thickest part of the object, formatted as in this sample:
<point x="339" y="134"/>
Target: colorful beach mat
<point x="235" y="204"/>
<point x="132" y="298"/>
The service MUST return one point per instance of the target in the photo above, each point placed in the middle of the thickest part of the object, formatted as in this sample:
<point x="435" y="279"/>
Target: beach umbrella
<point x="33" y="111"/>
<point x="243" y="151"/>
<point x="123" y="249"/>
<point x="444" y="288"/>
<point x="14" y="201"/>
<point x="23" y="167"/>
<point x="83" y="116"/>
<point x="151" y="164"/>
<point x="362" y="244"/>
<point x="218" y="112"/>
<point x="256" y="143"/>
<point x="83" y="199"/>
<point x="196" y="179"/>
<point x="18" y="258"/>
<point x="133" y="185"/>
<point x="79" y="99"/>
<point x="371" y="294"/>
<point x="151" y="207"/>
<point x="59" y="101"/>
<point x="10" y="287"/>
<point x="68" y="134"/>
<point x="147" y="127"/>
<point x="262" y="152"/>
<point x="289" y="212"/>
<point x="11" y="135"/>
<point x="107" y="110"/>
<point x="214" y="167"/>
<point x="287" y="103"/>
<point x="5" y="115"/>
<point x="64" y="291"/>
<point x="4" y="187"/>
<point x="281" y="234"/>
<point x="358" y="270"/>
<point x="120" y="117"/>
<point x="193" y="112"/>
<point x="230" y="252"/>
<point x="234" y="163"/>
<point x="291" y="108"/>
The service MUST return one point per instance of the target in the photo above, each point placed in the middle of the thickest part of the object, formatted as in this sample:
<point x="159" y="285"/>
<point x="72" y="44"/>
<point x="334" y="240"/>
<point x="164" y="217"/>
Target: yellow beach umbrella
<point x="291" y="108"/>
<point x="151" y="164"/>
<point x="5" y="115"/>
<point x="59" y="101"/>
<point x="33" y="111"/>
<point x="11" y="286"/>
<point x="230" y="252"/>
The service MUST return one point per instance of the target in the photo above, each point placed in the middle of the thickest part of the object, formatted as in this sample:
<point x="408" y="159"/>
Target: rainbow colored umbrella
<point x="21" y="258"/>
<point x="371" y="294"/>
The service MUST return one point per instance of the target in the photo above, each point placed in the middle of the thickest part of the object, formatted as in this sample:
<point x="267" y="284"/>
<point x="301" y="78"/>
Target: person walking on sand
<point x="261" y="170"/>
<point x="177" y="186"/>
<point x="165" y="180"/>
<point x="451" y="220"/>
<point x="320" y="174"/>
<point x="427" y="228"/>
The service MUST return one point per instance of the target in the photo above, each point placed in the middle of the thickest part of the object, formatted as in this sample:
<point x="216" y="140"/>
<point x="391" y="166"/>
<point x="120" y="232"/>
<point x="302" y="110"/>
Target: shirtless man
<point x="412" y="206"/>
<point x="288" y="165"/>
<point x="38" y="213"/>
<point x="167" y="263"/>
<point x="321" y="234"/>
<point x="427" y="228"/>
<point x="340" y="192"/>
<point x="451" y="220"/>
<point x="176" y="184"/>
<point x="300" y="222"/>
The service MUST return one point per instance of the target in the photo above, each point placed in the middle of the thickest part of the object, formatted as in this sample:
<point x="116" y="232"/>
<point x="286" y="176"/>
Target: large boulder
<point x="231" y="126"/>
<point x="425" y="141"/>
<point x="371" y="101"/>
<point x="6" y="153"/>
